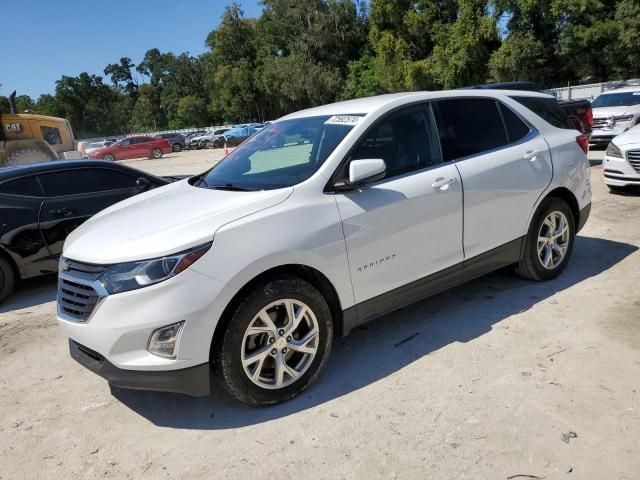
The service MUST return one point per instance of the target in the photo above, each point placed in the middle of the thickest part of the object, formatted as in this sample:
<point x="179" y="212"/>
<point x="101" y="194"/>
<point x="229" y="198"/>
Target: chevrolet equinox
<point x="324" y="220"/>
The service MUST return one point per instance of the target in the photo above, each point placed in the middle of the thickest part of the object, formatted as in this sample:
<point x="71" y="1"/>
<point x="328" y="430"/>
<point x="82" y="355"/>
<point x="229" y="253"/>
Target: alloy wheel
<point x="280" y="344"/>
<point x="553" y="240"/>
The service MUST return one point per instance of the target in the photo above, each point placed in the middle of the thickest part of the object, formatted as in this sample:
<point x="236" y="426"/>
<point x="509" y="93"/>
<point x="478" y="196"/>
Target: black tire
<point x="227" y="352"/>
<point x="156" y="153"/>
<point x="209" y="144"/>
<point x="218" y="143"/>
<point x="108" y="157"/>
<point x="176" y="147"/>
<point x="530" y="265"/>
<point x="7" y="279"/>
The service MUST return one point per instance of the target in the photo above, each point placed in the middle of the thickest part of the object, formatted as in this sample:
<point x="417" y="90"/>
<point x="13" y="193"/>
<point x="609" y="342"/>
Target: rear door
<point x="504" y="164"/>
<point x="73" y="196"/>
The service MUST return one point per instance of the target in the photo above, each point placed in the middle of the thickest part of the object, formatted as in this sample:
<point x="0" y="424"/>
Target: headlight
<point x="613" y="151"/>
<point x="132" y="275"/>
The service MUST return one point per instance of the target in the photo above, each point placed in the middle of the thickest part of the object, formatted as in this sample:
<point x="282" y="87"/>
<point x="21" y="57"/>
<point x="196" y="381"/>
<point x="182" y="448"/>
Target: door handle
<point x="443" y="183"/>
<point x="61" y="212"/>
<point x="531" y="156"/>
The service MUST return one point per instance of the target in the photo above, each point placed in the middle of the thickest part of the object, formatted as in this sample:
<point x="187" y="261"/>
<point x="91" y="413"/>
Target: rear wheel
<point x="156" y="153"/>
<point x="7" y="279"/>
<point x="209" y="144"/>
<point x="218" y="143"/>
<point x="549" y="242"/>
<point x="109" y="157"/>
<point x="275" y="343"/>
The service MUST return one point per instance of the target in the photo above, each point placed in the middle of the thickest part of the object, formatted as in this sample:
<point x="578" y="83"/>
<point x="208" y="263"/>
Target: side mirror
<point x="143" y="184"/>
<point x="362" y="172"/>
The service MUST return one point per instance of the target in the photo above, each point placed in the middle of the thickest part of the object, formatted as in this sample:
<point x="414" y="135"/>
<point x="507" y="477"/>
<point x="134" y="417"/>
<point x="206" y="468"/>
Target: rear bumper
<point x="194" y="381"/>
<point x="584" y="216"/>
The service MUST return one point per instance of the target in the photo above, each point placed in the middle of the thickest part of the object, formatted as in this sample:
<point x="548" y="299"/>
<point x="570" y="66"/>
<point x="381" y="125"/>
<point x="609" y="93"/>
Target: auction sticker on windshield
<point x="349" y="120"/>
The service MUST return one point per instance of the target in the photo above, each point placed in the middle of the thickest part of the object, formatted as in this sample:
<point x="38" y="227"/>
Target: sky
<point x="43" y="40"/>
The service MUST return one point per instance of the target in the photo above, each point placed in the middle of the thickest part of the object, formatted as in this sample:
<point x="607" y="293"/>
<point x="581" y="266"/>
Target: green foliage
<point x="192" y="111"/>
<point x="302" y="53"/>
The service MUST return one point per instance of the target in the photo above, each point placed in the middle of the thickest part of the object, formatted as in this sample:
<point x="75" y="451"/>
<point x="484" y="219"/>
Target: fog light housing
<point x="164" y="341"/>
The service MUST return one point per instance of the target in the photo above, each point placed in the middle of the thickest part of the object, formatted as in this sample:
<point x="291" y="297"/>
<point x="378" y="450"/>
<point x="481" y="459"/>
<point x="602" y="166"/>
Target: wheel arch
<point x="567" y="195"/>
<point x="303" y="272"/>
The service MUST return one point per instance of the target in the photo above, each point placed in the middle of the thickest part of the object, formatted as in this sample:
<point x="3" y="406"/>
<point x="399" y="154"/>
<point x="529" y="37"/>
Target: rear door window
<point x="84" y="180"/>
<point x="548" y="109"/>
<point x="470" y="126"/>
<point x="25" y="186"/>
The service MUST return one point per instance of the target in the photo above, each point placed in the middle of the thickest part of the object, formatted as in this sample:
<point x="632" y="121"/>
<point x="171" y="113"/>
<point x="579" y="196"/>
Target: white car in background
<point x="614" y="112"/>
<point x="320" y="222"/>
<point x="622" y="160"/>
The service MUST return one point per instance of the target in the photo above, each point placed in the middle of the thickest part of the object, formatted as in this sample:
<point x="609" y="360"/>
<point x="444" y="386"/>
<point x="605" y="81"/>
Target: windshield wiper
<point x="233" y="188"/>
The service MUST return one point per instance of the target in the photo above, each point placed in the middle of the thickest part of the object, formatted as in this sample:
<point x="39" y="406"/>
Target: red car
<point x="133" y="147"/>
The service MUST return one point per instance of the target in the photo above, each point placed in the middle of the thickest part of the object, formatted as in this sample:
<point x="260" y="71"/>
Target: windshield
<point x="283" y="154"/>
<point x="621" y="99"/>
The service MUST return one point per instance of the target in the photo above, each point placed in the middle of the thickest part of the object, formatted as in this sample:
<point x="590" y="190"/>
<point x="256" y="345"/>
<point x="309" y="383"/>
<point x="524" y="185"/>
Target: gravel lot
<point x="500" y="378"/>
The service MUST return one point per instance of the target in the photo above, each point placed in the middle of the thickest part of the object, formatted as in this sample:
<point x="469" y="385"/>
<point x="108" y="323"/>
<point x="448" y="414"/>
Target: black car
<point x="176" y="140"/>
<point x="41" y="203"/>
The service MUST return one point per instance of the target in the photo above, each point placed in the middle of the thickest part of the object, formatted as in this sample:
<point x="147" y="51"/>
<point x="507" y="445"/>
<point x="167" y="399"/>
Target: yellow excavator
<point x="29" y="138"/>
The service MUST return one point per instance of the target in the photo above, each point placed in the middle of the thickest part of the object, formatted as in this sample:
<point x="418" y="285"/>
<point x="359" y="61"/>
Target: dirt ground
<point x="501" y="378"/>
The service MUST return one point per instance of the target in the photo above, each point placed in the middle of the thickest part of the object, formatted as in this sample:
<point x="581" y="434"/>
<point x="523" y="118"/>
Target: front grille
<point x="77" y="296"/>
<point x="599" y="123"/>
<point x="633" y="156"/>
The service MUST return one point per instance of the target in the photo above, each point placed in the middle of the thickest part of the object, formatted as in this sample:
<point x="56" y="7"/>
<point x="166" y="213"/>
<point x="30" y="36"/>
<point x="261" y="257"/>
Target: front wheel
<point x="7" y="279"/>
<point x="549" y="242"/>
<point x="275" y="343"/>
<point x="177" y="147"/>
<point x="156" y="153"/>
<point x="108" y="157"/>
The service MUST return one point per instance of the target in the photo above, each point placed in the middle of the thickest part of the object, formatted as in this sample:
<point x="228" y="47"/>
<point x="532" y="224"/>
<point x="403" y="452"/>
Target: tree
<point x="88" y="104"/>
<point x="192" y="111"/>
<point x="122" y="77"/>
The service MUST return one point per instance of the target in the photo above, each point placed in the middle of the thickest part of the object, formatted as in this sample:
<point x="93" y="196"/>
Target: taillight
<point x="583" y="141"/>
<point x="589" y="116"/>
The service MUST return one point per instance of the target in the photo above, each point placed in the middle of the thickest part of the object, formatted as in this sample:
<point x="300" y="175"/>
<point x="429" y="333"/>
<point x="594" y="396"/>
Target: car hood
<point x="628" y="138"/>
<point x="163" y="221"/>
<point x="604" y="112"/>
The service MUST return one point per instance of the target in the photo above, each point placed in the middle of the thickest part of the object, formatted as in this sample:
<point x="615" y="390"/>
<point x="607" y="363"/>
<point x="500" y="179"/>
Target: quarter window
<point x="548" y="109"/>
<point x="470" y="126"/>
<point x="516" y="128"/>
<point x="406" y="141"/>
<point x="84" y="180"/>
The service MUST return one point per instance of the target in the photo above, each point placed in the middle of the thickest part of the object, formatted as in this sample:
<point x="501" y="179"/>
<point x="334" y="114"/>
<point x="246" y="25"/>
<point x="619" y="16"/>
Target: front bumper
<point x="193" y="381"/>
<point x="618" y="172"/>
<point x="117" y="332"/>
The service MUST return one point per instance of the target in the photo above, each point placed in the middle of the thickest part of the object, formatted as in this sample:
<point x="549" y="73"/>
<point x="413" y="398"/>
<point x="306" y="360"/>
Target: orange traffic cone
<point x="226" y="149"/>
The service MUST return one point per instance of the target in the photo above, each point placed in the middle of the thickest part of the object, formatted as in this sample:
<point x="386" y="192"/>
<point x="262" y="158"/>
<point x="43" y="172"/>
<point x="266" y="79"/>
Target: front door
<point x="73" y="196"/>
<point x="408" y="225"/>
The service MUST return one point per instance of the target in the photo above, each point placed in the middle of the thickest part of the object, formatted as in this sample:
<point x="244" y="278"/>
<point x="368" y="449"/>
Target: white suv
<point x="614" y="112"/>
<point x="322" y="221"/>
